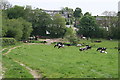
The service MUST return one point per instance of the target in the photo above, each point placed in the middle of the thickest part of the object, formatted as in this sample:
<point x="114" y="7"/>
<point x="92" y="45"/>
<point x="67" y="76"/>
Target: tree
<point x="77" y="14"/>
<point x="69" y="13"/>
<point x="73" y="39"/>
<point x="111" y="23"/>
<point x="4" y="4"/>
<point x="88" y="26"/>
<point x="118" y="26"/>
<point x="27" y="28"/>
<point x="40" y="21"/>
<point x="87" y="13"/>
<point x="69" y="32"/>
<point x="15" y="12"/>
<point x="16" y="28"/>
<point x="57" y="27"/>
<point x="4" y="25"/>
<point x="28" y="13"/>
<point x="109" y="13"/>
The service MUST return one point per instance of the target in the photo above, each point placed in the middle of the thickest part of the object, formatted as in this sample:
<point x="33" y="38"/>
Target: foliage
<point x="0" y="23"/>
<point x="87" y="13"/>
<point x="8" y="41"/>
<point x="77" y="13"/>
<point x="73" y="39"/>
<point x="118" y="24"/>
<point x="36" y="22"/>
<point x="102" y="33"/>
<point x="27" y="28"/>
<point x="113" y="30"/>
<point x="57" y="28"/>
<point x="69" y="15"/>
<point x="69" y="31"/>
<point x="16" y="28"/>
<point x="32" y="41"/>
<point x="40" y="21"/>
<point x="88" y="26"/>
<point x="111" y="23"/>
<point x="3" y="25"/>
<point x="28" y="13"/>
<point x="15" y="12"/>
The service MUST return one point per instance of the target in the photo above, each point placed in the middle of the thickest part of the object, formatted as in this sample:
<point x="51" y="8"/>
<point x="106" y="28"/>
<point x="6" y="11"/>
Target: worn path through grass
<point x="33" y="72"/>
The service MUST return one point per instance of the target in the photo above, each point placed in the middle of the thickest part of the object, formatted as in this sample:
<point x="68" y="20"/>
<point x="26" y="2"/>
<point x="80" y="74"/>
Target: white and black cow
<point x="59" y="45"/>
<point x="85" y="48"/>
<point x="101" y="49"/>
<point x="88" y="47"/>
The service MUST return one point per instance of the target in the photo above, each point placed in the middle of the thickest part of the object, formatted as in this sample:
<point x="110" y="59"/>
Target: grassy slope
<point x="13" y="69"/>
<point x="69" y="61"/>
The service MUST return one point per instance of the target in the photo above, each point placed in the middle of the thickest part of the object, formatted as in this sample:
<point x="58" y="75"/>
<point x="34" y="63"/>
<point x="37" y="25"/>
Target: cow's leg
<point x="55" y="46"/>
<point x="59" y="47"/>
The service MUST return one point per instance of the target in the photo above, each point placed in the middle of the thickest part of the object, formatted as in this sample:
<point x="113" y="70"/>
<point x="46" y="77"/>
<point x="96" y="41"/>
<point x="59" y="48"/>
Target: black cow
<point x="118" y="49"/>
<point x="82" y="49"/>
<point x="68" y="44"/>
<point x="86" y="48"/>
<point x="98" y="41"/>
<point x="25" y="41"/>
<point x="102" y="49"/>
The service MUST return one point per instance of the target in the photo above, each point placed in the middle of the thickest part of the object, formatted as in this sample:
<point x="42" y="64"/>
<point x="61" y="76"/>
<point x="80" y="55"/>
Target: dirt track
<point x="32" y="72"/>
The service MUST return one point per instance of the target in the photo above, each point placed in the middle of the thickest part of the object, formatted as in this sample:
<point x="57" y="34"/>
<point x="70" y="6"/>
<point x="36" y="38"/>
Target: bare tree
<point x="4" y="4"/>
<point x="109" y="13"/>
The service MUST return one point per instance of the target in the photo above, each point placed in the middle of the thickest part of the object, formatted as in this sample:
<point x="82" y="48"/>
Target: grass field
<point x="67" y="62"/>
<point x="14" y="70"/>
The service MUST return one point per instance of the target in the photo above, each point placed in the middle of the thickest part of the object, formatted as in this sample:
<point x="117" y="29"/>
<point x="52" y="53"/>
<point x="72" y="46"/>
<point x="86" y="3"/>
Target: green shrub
<point x="54" y="42"/>
<point x="38" y="41"/>
<point x="8" y="41"/>
<point x="73" y="39"/>
<point x="43" y="41"/>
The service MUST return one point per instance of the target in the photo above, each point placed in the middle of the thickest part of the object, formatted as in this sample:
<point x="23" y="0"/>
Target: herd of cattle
<point x="86" y="47"/>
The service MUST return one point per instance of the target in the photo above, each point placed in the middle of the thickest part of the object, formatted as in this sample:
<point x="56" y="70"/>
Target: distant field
<point x="68" y="62"/>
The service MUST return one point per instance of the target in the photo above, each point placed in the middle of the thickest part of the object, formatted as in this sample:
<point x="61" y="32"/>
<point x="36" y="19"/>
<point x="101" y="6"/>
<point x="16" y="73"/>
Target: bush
<point x="38" y="41"/>
<point x="8" y="41"/>
<point x="73" y="39"/>
<point x="54" y="42"/>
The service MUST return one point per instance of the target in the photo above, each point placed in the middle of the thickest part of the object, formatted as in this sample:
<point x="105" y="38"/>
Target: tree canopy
<point x="57" y="28"/>
<point x="88" y="26"/>
<point x="77" y="13"/>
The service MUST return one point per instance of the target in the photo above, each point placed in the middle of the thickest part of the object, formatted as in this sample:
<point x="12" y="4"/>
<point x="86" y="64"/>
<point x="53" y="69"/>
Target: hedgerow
<point x="7" y="41"/>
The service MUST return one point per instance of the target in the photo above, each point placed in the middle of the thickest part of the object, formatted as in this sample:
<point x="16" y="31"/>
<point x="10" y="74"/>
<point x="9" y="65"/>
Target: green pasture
<point x="12" y="69"/>
<point x="69" y="62"/>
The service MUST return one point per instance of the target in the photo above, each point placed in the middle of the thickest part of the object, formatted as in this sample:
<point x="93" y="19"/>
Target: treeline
<point x="106" y="28"/>
<point x="21" y="22"/>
